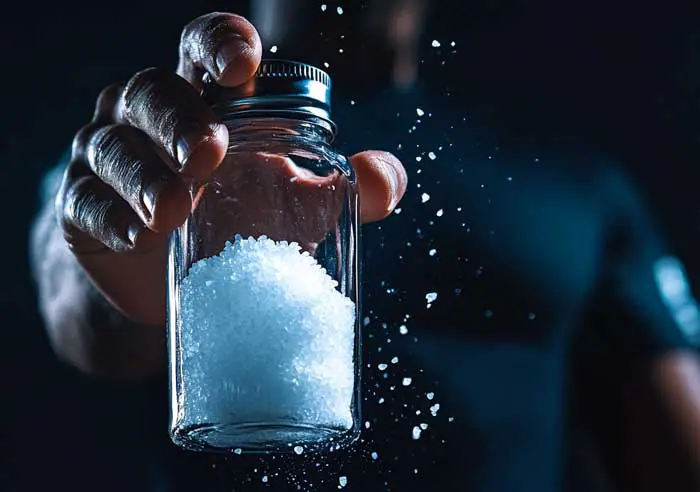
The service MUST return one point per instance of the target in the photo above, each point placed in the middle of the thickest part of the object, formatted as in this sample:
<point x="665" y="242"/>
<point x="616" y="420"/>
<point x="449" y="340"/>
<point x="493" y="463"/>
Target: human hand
<point x="127" y="185"/>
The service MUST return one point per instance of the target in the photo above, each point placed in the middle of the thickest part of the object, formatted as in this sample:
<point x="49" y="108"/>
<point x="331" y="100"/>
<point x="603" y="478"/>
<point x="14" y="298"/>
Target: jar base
<point x="259" y="437"/>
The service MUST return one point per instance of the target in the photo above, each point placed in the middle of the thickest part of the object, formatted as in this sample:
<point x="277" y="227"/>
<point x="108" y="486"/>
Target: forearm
<point x="83" y="327"/>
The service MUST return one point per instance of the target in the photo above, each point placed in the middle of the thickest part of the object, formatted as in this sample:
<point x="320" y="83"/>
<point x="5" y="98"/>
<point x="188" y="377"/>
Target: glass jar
<point x="263" y="319"/>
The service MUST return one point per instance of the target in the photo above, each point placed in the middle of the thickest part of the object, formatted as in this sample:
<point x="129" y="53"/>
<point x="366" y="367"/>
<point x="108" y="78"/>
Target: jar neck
<point x="311" y="130"/>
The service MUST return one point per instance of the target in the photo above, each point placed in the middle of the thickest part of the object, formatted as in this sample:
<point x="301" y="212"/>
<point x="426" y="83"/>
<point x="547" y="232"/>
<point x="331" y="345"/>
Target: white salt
<point x="343" y="481"/>
<point x="430" y="395"/>
<point x="431" y="297"/>
<point x="406" y="381"/>
<point x="424" y="197"/>
<point x="375" y="455"/>
<point x="298" y="449"/>
<point x="403" y="329"/>
<point x="434" y="409"/>
<point x="416" y="433"/>
<point x="265" y="337"/>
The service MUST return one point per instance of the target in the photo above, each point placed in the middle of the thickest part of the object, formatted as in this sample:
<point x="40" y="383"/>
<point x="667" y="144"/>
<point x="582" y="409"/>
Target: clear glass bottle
<point x="263" y="316"/>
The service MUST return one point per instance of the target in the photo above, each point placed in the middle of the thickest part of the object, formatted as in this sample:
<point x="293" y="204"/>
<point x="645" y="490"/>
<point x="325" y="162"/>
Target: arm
<point x="639" y="353"/>
<point x="83" y="327"/>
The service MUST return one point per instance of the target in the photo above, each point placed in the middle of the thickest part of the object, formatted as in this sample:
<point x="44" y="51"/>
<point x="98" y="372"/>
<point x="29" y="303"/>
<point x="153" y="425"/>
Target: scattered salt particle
<point x="264" y="479"/>
<point x="451" y="419"/>
<point x="403" y="329"/>
<point x="397" y="211"/>
<point x="209" y="283"/>
<point x="325" y="64"/>
<point x="273" y="49"/>
<point x="238" y="451"/>
<point x="424" y="197"/>
<point x="340" y="50"/>
<point x="339" y="10"/>
<point x="416" y="433"/>
<point x="531" y="316"/>
<point x="365" y="321"/>
<point x="509" y="178"/>
<point x="420" y="112"/>
<point x="419" y="158"/>
<point x="430" y="395"/>
<point x="352" y="103"/>
<point x="395" y="360"/>
<point x="434" y="409"/>
<point x="435" y="43"/>
<point x="439" y="213"/>
<point x="432" y="156"/>
<point x="380" y="401"/>
<point x="415" y="471"/>
<point x="382" y="367"/>
<point x="459" y="209"/>
<point x="432" y="252"/>
<point x="423" y="426"/>
<point x="323" y="7"/>
<point x="418" y="412"/>
<point x="374" y="455"/>
<point x="431" y="296"/>
<point x="406" y="381"/>
<point x="453" y="44"/>
<point x="298" y="449"/>
<point x="342" y="481"/>
<point x="367" y="424"/>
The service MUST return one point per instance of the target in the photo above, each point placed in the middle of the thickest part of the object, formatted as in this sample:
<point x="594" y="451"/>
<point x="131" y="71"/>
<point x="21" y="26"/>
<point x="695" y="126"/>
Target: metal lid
<point x="278" y="86"/>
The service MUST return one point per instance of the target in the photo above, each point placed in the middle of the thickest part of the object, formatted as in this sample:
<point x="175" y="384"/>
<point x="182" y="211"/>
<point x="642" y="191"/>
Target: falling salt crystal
<point x="380" y="401"/>
<point x="453" y="44"/>
<point x="238" y="451"/>
<point x="423" y="426"/>
<point x="435" y="43"/>
<point x="264" y="479"/>
<point x="451" y="419"/>
<point x="352" y="103"/>
<point x="342" y="481"/>
<point x="366" y="320"/>
<point x="424" y="197"/>
<point x="323" y="7"/>
<point x="430" y="395"/>
<point x="420" y="112"/>
<point x="298" y="449"/>
<point x="382" y="367"/>
<point x="325" y="64"/>
<point x="434" y="409"/>
<point x="374" y="455"/>
<point x="431" y="296"/>
<point x="419" y="158"/>
<point x="403" y="330"/>
<point x="432" y="156"/>
<point x="416" y="433"/>
<point x="395" y="360"/>
<point x="367" y="424"/>
<point x="531" y="316"/>
<point x="406" y="381"/>
<point x="273" y="49"/>
<point x="339" y="10"/>
<point x="397" y="211"/>
<point x="439" y="213"/>
<point x="432" y="252"/>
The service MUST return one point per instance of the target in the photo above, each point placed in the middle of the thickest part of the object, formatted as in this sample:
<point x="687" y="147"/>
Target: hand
<point x="127" y="186"/>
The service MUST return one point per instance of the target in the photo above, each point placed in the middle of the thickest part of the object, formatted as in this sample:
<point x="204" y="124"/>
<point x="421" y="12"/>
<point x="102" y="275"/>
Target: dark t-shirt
<point x="520" y="245"/>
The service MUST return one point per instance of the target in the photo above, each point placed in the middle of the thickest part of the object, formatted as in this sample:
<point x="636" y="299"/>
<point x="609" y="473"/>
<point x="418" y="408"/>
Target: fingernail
<point x="133" y="232"/>
<point x="183" y="150"/>
<point x="393" y="178"/>
<point x="150" y="197"/>
<point x="229" y="51"/>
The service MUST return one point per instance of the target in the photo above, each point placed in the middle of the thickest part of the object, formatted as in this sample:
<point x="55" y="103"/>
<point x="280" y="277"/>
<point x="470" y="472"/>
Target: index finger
<point x="224" y="45"/>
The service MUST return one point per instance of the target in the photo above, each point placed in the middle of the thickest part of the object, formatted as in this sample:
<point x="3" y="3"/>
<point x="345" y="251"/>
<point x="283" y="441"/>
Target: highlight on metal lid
<point x="287" y="87"/>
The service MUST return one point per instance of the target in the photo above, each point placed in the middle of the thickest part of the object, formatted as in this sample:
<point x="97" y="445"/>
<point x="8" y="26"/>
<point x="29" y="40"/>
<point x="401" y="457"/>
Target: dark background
<point x="623" y="76"/>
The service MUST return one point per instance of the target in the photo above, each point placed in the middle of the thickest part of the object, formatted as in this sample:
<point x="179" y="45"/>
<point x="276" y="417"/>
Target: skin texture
<point x="127" y="185"/>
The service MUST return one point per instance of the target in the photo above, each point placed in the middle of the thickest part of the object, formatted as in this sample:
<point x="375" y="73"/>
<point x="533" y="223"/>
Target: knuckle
<point x="104" y="146"/>
<point x="106" y="108"/>
<point x="139" y="89"/>
<point x="82" y="139"/>
<point x="201" y="34"/>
